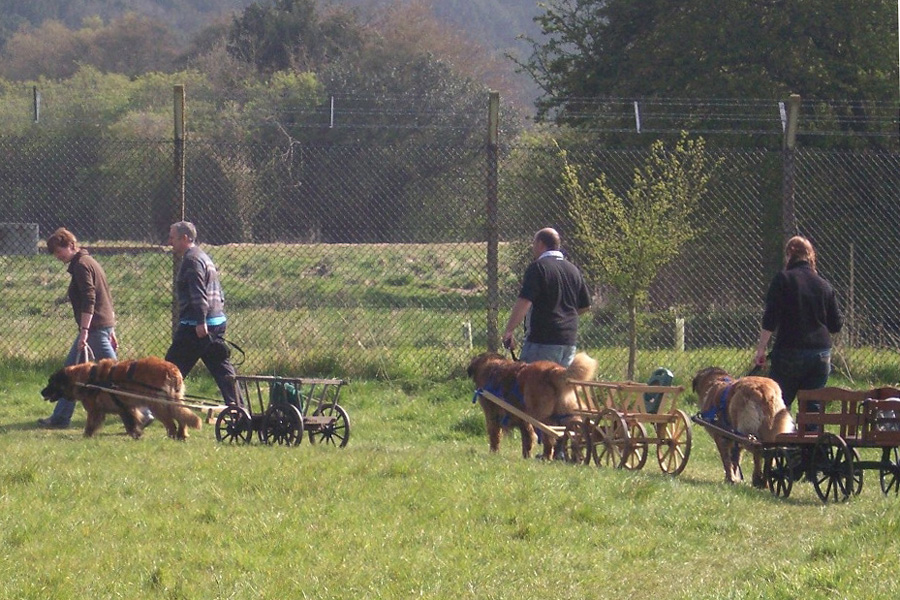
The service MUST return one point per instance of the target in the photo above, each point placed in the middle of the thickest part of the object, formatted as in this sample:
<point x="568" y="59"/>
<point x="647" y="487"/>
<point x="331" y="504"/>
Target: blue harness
<point x="497" y="389"/>
<point x="719" y="408"/>
<point x="518" y="401"/>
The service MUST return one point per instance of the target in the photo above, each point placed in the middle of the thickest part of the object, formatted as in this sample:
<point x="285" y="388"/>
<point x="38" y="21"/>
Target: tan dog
<point x="540" y="389"/>
<point x="749" y="406"/>
<point x="148" y="378"/>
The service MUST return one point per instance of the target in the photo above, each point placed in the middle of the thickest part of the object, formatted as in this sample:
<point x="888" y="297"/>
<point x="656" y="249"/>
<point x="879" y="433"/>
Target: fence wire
<point x="370" y="261"/>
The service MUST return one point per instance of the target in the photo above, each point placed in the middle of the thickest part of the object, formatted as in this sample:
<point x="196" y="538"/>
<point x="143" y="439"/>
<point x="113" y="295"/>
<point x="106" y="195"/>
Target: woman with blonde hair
<point x="803" y="313"/>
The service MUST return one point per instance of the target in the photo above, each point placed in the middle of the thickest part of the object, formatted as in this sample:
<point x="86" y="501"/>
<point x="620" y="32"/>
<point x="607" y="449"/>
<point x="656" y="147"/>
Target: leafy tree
<point x="623" y="240"/>
<point x="292" y="34"/>
<point x="822" y="49"/>
<point x="130" y="45"/>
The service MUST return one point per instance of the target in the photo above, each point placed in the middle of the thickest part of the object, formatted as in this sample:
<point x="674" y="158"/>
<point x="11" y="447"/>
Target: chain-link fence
<point x="365" y="261"/>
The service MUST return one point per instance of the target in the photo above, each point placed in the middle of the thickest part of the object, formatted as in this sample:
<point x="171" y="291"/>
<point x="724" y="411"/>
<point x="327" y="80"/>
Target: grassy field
<point x="368" y="311"/>
<point x="414" y="506"/>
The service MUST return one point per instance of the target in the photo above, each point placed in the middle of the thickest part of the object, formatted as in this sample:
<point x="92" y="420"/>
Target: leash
<point x="239" y="349"/>
<point x="512" y="353"/>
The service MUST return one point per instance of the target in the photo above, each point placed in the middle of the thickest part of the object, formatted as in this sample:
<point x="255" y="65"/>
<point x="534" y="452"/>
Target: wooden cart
<point x="628" y="419"/>
<point x="288" y="407"/>
<point x="833" y="424"/>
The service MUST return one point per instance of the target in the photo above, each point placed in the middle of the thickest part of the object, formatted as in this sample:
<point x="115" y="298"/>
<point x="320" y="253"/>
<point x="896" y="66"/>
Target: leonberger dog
<point x="748" y="406"/>
<point x="148" y="382"/>
<point x="540" y="389"/>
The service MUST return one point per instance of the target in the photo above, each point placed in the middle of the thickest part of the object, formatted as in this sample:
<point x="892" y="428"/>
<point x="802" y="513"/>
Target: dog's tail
<point x="190" y="419"/>
<point x="583" y="367"/>
<point x="783" y="423"/>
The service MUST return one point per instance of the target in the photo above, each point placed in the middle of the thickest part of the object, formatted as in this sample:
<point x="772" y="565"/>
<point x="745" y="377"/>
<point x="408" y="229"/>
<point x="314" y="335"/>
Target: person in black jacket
<point x="803" y="313"/>
<point x="200" y="334"/>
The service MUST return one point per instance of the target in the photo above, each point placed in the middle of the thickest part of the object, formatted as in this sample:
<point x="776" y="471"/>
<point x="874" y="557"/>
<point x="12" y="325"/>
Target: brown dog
<point x="141" y="381"/>
<point x="540" y="389"/>
<point x="749" y="406"/>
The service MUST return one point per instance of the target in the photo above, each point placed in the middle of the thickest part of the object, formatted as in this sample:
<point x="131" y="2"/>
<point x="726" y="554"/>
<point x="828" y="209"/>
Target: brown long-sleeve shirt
<point x="89" y="291"/>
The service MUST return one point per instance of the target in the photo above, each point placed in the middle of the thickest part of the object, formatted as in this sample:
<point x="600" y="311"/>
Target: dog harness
<point x="720" y="407"/>
<point x="497" y="390"/>
<point x="109" y="385"/>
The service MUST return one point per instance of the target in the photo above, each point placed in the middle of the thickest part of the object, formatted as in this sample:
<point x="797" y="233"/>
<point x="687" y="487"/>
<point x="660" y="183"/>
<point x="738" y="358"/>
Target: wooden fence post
<point x="493" y="233"/>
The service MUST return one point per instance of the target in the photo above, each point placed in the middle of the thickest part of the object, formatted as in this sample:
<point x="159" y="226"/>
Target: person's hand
<point x="201" y="330"/>
<point x="82" y="338"/>
<point x="509" y="341"/>
<point x="760" y="359"/>
<point x="113" y="340"/>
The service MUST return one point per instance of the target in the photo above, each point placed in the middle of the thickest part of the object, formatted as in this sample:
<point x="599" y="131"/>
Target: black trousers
<point x="187" y="349"/>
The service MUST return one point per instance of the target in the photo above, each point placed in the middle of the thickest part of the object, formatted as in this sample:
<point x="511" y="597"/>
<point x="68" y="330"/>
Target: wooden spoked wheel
<point x="337" y="431"/>
<point x="282" y="424"/>
<point x="779" y="472"/>
<point x="889" y="472"/>
<point x="636" y="453"/>
<point x="576" y="446"/>
<point x="234" y="425"/>
<point x="674" y="445"/>
<point x="833" y="465"/>
<point x="610" y="438"/>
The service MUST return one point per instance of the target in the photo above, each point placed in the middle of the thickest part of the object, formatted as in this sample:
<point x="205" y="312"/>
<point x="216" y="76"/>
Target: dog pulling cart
<point x="288" y="407"/>
<point x="833" y="425"/>
<point x="616" y="434"/>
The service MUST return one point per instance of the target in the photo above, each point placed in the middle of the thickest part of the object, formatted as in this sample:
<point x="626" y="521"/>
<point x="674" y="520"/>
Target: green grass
<point x="414" y="506"/>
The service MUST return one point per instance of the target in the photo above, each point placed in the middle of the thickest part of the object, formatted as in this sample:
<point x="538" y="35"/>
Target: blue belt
<point x="209" y="321"/>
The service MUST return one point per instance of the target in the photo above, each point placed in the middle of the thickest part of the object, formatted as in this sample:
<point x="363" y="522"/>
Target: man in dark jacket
<point x="200" y="334"/>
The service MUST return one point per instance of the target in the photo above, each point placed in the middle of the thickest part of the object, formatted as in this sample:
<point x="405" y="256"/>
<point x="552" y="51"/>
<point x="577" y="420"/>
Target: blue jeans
<point x="100" y="341"/>
<point x="561" y="355"/>
<point x="800" y="370"/>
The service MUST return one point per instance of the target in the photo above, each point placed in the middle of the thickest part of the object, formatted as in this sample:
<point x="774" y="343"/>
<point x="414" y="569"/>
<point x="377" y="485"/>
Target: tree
<point x="130" y="45"/>
<point x="822" y="49"/>
<point x="292" y="34"/>
<point x="624" y="240"/>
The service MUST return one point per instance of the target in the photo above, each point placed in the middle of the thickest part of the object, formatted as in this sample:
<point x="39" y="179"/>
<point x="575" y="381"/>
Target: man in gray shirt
<point x="200" y="334"/>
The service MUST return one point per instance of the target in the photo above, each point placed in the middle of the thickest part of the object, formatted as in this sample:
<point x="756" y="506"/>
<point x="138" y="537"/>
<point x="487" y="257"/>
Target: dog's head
<point x="705" y="379"/>
<point x="57" y="386"/>
<point x="478" y="364"/>
<point x="64" y="383"/>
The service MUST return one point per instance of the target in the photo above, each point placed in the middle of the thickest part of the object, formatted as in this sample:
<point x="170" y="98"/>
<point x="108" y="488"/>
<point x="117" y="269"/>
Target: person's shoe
<point x="51" y="424"/>
<point x="147" y="420"/>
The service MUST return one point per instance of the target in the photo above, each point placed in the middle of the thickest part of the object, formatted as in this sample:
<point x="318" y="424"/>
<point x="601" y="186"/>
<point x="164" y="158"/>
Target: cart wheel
<point x="337" y="432"/>
<point x="610" y="437"/>
<point x="282" y="424"/>
<point x="636" y="455"/>
<point x="674" y="446"/>
<point x="234" y="425"/>
<point x="889" y="472"/>
<point x="833" y="467"/>
<point x="575" y="442"/>
<point x="779" y="471"/>
<point x="857" y="473"/>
